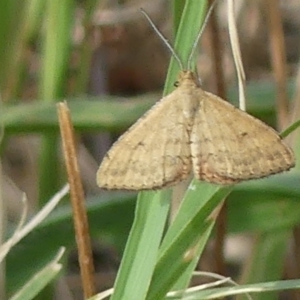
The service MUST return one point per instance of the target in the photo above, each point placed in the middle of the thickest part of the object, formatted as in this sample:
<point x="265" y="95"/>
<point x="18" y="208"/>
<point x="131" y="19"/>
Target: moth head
<point x="186" y="77"/>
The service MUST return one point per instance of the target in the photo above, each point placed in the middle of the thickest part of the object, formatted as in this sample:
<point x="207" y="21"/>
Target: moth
<point x="193" y="131"/>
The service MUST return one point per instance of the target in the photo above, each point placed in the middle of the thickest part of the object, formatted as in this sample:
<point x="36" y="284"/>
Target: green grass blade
<point x="126" y="284"/>
<point x="188" y="233"/>
<point x="290" y="129"/>
<point x="115" y="113"/>
<point x="177" y="241"/>
<point x="12" y="20"/>
<point x="142" y="246"/>
<point x="55" y="59"/>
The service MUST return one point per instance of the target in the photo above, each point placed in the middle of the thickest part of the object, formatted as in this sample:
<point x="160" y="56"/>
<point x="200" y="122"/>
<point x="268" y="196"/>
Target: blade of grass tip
<point x="142" y="246"/>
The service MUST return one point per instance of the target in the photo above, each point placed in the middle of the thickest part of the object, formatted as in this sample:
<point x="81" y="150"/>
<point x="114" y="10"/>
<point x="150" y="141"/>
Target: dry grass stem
<point x="236" y="52"/>
<point x="77" y="201"/>
<point x="22" y="230"/>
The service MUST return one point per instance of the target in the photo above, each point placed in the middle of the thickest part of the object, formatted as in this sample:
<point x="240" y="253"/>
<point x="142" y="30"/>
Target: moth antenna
<point x="166" y="42"/>
<point x="199" y="35"/>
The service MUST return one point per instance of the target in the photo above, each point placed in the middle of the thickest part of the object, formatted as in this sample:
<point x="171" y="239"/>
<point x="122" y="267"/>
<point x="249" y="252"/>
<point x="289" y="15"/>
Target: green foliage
<point x="157" y="258"/>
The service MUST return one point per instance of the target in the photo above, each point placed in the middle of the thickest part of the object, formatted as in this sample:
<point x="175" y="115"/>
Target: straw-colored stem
<point x="77" y="201"/>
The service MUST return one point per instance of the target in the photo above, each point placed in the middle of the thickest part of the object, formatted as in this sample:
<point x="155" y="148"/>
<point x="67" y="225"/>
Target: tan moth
<point x="191" y="130"/>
